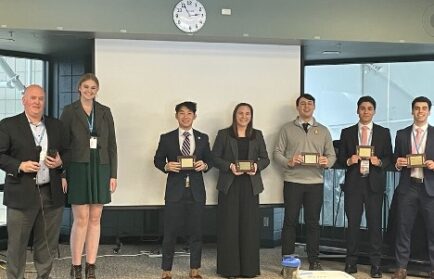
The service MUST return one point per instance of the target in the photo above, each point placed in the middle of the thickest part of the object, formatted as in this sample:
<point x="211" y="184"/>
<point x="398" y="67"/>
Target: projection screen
<point x="142" y="81"/>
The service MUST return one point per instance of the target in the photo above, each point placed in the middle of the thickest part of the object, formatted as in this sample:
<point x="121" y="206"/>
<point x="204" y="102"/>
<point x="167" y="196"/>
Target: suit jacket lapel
<point x="197" y="140"/>
<point x="27" y="131"/>
<point x="81" y="115"/>
<point x="355" y="135"/>
<point x="429" y="139"/>
<point x="234" y="146"/>
<point x="176" y="139"/>
<point x="47" y="124"/>
<point x="374" y="138"/>
<point x="99" y="115"/>
<point x="408" y="139"/>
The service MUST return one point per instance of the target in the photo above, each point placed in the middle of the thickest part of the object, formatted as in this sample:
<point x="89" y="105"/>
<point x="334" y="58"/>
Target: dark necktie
<point x="186" y="144"/>
<point x="305" y="125"/>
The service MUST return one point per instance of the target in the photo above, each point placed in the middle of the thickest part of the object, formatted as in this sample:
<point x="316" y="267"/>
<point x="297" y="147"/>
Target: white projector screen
<point x="142" y="81"/>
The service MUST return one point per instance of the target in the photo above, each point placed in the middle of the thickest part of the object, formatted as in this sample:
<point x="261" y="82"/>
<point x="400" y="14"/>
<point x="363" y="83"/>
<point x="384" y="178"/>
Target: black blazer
<point x="382" y="149"/>
<point x="225" y="152"/>
<point x="78" y="135"/>
<point x="168" y="151"/>
<point x="403" y="147"/>
<point x="17" y="145"/>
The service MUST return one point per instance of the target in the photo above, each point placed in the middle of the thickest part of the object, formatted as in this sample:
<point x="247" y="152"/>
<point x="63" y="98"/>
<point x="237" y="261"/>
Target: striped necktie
<point x="185" y="150"/>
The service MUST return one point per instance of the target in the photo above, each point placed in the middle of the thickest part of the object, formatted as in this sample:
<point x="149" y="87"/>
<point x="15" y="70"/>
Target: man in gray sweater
<point x="304" y="148"/>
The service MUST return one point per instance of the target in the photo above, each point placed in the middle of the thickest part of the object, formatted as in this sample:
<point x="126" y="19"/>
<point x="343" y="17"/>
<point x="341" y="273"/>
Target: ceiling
<point x="46" y="43"/>
<point x="54" y="43"/>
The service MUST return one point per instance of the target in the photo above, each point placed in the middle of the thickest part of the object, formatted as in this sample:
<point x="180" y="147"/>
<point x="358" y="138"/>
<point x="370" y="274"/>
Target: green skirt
<point x="89" y="183"/>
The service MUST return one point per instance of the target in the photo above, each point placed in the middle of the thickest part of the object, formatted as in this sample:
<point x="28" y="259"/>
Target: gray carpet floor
<point x="139" y="261"/>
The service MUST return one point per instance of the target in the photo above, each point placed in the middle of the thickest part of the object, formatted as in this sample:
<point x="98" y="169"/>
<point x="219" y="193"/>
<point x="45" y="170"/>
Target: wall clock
<point x="189" y="15"/>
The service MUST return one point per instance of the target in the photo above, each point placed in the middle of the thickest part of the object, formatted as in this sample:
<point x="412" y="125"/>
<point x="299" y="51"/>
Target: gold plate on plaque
<point x="365" y="151"/>
<point x="244" y="166"/>
<point x="415" y="160"/>
<point x="187" y="162"/>
<point x="310" y="159"/>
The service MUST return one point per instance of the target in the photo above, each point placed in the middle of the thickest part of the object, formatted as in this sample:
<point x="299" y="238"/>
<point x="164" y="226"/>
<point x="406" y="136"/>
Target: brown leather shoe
<point x="166" y="275"/>
<point x="194" y="273"/>
<point x="400" y="273"/>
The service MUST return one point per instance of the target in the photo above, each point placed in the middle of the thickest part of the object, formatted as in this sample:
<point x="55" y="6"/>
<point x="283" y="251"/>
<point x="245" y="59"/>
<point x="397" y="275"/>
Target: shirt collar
<point x="35" y="124"/>
<point x="311" y="121"/>
<point x="369" y="125"/>
<point x="423" y="127"/>
<point x="181" y="131"/>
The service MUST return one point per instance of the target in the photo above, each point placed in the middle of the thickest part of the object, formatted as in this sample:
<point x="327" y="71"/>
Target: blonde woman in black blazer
<point x="238" y="199"/>
<point x="91" y="171"/>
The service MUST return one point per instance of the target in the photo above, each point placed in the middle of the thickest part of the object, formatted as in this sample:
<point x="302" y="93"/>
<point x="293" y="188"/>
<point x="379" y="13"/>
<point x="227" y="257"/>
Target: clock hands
<point x="183" y="5"/>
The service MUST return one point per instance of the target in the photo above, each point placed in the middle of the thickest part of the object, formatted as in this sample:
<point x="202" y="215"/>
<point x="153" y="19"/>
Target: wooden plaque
<point x="310" y="159"/>
<point x="415" y="160"/>
<point x="365" y="151"/>
<point x="244" y="166"/>
<point x="187" y="162"/>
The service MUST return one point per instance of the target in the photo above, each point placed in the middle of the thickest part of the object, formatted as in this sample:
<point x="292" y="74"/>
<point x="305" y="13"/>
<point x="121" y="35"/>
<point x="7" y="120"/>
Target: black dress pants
<point x="238" y="230"/>
<point x="174" y="215"/>
<point x="409" y="203"/>
<point x="357" y="198"/>
<point x="310" y="196"/>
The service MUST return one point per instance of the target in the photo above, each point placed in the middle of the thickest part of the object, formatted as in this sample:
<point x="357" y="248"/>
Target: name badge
<point x="364" y="167"/>
<point x="42" y="155"/>
<point x="93" y="142"/>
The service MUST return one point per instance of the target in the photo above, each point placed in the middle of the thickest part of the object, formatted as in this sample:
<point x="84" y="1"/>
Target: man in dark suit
<point x="185" y="190"/>
<point x="29" y="154"/>
<point x="365" y="181"/>
<point x="416" y="183"/>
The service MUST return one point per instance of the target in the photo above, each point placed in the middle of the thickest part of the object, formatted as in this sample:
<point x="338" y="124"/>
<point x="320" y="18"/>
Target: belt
<point x="43" y="185"/>
<point x="415" y="180"/>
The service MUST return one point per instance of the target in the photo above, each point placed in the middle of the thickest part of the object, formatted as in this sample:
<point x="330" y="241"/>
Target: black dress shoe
<point x="315" y="266"/>
<point x="350" y="268"/>
<point x="376" y="271"/>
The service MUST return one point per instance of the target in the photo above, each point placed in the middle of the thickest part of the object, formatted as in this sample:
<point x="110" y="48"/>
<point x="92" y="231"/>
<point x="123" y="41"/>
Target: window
<point x="15" y="74"/>
<point x="392" y="85"/>
<point x="337" y="88"/>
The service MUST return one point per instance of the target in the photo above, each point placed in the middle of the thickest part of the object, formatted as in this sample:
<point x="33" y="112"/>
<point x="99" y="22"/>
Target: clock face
<point x="189" y="15"/>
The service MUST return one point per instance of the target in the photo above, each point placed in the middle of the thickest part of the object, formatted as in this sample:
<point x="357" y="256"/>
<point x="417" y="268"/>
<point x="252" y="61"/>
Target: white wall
<point x="142" y="81"/>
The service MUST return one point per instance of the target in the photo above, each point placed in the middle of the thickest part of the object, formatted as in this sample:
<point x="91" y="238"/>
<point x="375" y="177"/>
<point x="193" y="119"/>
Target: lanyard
<point x="38" y="141"/>
<point x="91" y="122"/>
<point x="418" y="145"/>
<point x="369" y="137"/>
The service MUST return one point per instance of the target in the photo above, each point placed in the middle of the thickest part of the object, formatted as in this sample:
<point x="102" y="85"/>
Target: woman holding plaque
<point x="240" y="154"/>
<point x="91" y="171"/>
